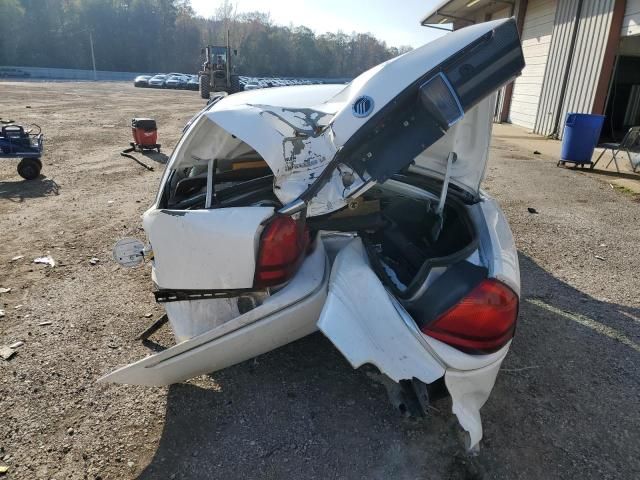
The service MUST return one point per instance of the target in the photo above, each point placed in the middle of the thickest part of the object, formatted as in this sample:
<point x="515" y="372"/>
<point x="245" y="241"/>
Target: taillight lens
<point x="283" y="244"/>
<point x="482" y="322"/>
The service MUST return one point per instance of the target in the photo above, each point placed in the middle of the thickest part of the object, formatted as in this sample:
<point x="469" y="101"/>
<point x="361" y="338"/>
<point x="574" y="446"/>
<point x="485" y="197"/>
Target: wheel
<point x="158" y="149"/>
<point x="204" y="86"/>
<point x="235" y="84"/>
<point x="29" y="168"/>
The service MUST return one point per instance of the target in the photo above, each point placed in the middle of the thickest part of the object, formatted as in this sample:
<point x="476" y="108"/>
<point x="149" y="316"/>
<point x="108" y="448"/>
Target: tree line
<point x="167" y="35"/>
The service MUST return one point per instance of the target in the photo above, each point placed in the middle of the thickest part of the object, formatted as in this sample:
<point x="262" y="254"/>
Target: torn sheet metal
<point x="469" y="391"/>
<point x="361" y="321"/>
<point x="369" y="326"/>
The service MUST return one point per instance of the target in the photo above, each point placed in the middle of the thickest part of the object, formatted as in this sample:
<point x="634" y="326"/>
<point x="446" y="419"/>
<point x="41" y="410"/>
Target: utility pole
<point x="93" y="57"/>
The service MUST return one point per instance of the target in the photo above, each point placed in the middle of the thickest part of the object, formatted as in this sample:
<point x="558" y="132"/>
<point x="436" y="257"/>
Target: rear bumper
<point x="286" y="316"/>
<point x="469" y="391"/>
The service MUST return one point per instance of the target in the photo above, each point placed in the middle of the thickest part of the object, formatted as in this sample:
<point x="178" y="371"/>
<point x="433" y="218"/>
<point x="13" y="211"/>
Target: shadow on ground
<point x="567" y="391"/>
<point x="19" y="190"/>
<point x="610" y="173"/>
<point x="157" y="157"/>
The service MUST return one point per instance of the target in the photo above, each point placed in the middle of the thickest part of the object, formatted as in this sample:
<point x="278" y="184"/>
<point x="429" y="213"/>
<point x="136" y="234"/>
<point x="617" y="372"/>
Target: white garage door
<point x="536" y="39"/>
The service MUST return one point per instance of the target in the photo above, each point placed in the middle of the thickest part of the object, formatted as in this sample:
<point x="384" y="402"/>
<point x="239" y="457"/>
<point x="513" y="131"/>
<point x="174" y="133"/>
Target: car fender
<point x="360" y="319"/>
<point x="368" y="325"/>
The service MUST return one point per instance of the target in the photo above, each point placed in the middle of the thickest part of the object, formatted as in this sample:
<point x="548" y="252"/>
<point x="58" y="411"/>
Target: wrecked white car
<point x="355" y="210"/>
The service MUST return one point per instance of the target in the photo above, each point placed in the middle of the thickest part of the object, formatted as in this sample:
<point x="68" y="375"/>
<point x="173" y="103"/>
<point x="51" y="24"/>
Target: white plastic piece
<point x="205" y="249"/>
<point x="128" y="252"/>
<point x="361" y="320"/>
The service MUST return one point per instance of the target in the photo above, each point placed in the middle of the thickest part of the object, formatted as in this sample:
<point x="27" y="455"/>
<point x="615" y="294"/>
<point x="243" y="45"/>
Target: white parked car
<point x="177" y="81"/>
<point x="252" y="86"/>
<point x="356" y="210"/>
<point x="157" y="81"/>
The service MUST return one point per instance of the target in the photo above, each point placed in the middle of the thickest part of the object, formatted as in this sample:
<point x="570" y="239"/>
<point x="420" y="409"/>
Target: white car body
<point x="205" y="259"/>
<point x="157" y="80"/>
<point x="252" y="86"/>
<point x="176" y="81"/>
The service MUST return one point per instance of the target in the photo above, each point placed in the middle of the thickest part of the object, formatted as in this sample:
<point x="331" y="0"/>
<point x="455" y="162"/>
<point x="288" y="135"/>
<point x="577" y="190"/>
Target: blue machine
<point x="16" y="142"/>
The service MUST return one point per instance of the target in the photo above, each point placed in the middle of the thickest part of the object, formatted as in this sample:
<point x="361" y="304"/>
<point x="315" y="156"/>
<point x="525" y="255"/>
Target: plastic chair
<point x="630" y="144"/>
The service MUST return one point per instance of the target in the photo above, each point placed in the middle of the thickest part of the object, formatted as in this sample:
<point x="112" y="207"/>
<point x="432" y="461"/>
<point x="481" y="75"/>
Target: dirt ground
<point x="566" y="405"/>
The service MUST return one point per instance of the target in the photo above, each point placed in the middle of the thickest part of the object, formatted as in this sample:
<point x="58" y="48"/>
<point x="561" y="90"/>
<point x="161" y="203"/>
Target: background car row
<point x="186" y="81"/>
<point x="168" y="80"/>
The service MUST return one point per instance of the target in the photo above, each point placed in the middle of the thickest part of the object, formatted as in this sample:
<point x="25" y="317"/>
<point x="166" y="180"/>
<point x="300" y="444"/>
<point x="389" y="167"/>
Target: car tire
<point x="235" y="84"/>
<point x="204" y="86"/>
<point x="29" y="168"/>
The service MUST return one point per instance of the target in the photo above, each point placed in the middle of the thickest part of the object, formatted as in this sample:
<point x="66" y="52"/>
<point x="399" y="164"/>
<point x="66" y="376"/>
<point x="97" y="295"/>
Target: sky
<point x="395" y="21"/>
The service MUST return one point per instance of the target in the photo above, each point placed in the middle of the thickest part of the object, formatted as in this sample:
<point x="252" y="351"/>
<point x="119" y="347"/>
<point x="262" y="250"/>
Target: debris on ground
<point x="532" y="210"/>
<point x="17" y="344"/>
<point x="6" y="352"/>
<point x="600" y="258"/>
<point x="148" y="315"/>
<point x="2" y="313"/>
<point x="94" y="261"/>
<point x="44" y="324"/>
<point x="48" y="260"/>
<point x="5" y="290"/>
<point x="3" y="469"/>
<point x="16" y="258"/>
<point x="536" y="152"/>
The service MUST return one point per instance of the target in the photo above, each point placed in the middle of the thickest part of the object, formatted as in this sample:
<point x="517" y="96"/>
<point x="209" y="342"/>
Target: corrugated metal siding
<point x="585" y="59"/>
<point x="504" y="13"/>
<point x="536" y="39"/>
<point x="588" y="56"/>
<point x="631" y="21"/>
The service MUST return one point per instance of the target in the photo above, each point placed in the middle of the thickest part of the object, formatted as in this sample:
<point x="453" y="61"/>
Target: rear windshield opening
<point x="239" y="175"/>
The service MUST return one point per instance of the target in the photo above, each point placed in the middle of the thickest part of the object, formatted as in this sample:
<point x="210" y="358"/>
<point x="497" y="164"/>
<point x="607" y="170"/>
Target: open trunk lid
<point x="408" y="111"/>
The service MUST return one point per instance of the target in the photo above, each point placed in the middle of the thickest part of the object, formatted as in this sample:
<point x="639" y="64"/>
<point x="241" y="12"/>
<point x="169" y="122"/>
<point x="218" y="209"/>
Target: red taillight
<point x="283" y="244"/>
<point x="483" y="321"/>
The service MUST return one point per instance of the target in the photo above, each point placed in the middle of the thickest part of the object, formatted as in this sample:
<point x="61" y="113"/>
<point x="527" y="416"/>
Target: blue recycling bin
<point x="581" y="134"/>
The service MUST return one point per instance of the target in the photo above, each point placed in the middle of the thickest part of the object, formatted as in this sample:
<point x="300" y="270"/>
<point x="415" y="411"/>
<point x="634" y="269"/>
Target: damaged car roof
<point x="385" y="120"/>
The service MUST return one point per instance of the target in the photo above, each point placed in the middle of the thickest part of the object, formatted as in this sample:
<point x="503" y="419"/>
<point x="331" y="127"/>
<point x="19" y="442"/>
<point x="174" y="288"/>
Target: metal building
<point x="581" y="56"/>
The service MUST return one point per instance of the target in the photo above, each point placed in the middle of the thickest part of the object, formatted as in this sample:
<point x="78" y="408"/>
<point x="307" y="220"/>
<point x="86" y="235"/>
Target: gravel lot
<point x="567" y="404"/>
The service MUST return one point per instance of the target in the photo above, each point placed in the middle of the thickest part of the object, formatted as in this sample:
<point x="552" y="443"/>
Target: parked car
<point x="176" y="81"/>
<point x="157" y="81"/>
<point x="252" y="86"/>
<point x="355" y="210"/>
<point x="193" y="83"/>
<point x="142" y="81"/>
